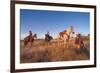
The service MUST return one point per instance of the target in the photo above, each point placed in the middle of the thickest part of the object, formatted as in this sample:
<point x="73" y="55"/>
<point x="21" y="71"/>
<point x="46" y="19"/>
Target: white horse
<point x="65" y="36"/>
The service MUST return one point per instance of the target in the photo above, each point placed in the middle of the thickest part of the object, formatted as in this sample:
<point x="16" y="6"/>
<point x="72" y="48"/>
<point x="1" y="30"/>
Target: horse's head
<point x="70" y="30"/>
<point x="78" y="35"/>
<point x="35" y="35"/>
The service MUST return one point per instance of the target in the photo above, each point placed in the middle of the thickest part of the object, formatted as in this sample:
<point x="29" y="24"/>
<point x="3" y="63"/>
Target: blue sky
<point x="41" y="21"/>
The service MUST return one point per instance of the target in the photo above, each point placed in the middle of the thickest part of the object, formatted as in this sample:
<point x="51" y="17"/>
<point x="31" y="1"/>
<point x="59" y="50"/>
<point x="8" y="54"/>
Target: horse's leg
<point x="48" y="43"/>
<point x="25" y="44"/>
<point x="30" y="44"/>
<point x="65" y="44"/>
<point x="58" y="42"/>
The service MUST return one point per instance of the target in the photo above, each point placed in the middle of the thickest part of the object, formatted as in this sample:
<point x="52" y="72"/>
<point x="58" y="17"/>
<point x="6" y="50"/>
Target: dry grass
<point x="41" y="51"/>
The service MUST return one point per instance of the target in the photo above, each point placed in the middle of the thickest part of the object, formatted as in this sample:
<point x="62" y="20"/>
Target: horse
<point x="65" y="36"/>
<point x="80" y="46"/>
<point x="48" y="38"/>
<point x="78" y="41"/>
<point x="28" y="40"/>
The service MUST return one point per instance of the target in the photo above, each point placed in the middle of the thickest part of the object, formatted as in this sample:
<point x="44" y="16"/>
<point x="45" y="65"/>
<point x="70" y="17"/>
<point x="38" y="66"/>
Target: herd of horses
<point x="64" y="36"/>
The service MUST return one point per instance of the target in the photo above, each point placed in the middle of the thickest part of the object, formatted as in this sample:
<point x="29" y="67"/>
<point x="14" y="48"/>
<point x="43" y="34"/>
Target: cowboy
<point x="30" y="33"/>
<point x="48" y="37"/>
<point x="29" y="39"/>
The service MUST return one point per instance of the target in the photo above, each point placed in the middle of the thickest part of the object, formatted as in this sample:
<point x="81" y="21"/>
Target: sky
<point x="41" y="21"/>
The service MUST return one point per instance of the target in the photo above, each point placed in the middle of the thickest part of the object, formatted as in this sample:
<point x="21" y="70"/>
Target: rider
<point x="48" y="37"/>
<point x="79" y="41"/>
<point x="30" y="33"/>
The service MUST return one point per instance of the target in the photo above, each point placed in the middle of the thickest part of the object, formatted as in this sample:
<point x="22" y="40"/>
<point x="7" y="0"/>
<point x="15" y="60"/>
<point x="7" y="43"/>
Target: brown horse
<point x="29" y="39"/>
<point x="79" y="41"/>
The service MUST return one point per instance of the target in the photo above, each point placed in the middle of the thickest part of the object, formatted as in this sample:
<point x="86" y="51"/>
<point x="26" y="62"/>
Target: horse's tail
<point x="25" y="41"/>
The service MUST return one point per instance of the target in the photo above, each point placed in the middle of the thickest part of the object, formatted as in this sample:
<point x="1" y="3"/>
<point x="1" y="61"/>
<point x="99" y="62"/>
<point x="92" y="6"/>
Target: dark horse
<point x="48" y="38"/>
<point x="29" y="39"/>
